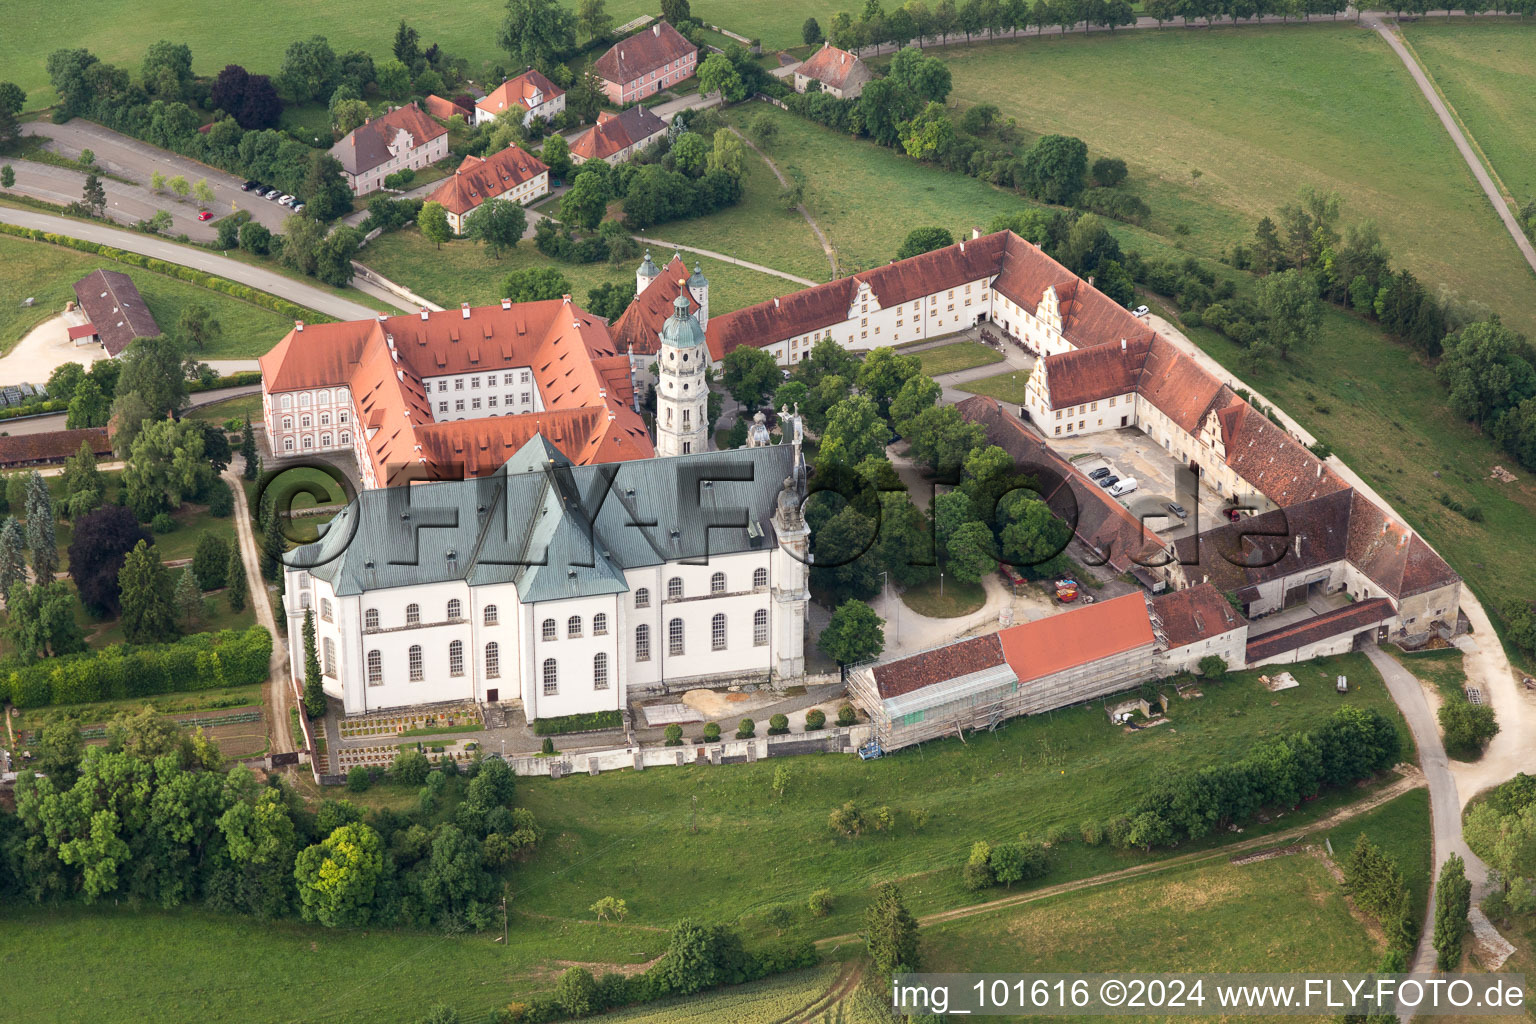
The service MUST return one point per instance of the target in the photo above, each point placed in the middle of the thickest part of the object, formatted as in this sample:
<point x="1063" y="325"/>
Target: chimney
<point x="775" y="302"/>
<point x="975" y="232"/>
<point x="566" y="299"/>
<point x="1090" y="280"/>
<point x="1122" y="344"/>
<point x="506" y="303"/>
<point x="464" y="310"/>
<point x="656" y="29"/>
<point x="423" y="312"/>
<point x="383" y="317"/>
<point x="298" y="325"/>
<point x="1298" y="545"/>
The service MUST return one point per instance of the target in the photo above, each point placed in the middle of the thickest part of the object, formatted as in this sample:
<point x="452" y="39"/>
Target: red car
<point x="204" y="215"/>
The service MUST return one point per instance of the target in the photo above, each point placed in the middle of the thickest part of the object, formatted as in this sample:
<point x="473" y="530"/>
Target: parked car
<point x="1125" y="486"/>
<point x="1233" y="514"/>
<point x="247" y="186"/>
<point x="1178" y="510"/>
<point x="285" y="200"/>
<point x="297" y="206"/>
<point x="271" y="193"/>
<point x="1107" y="482"/>
<point x="1140" y="311"/>
<point x="204" y="215"/>
<point x="1099" y="474"/>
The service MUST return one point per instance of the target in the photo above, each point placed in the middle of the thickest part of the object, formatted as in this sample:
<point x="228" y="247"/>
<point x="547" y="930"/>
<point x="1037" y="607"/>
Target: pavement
<point x="126" y="204"/>
<point x="199" y="259"/>
<point x="126" y="156"/>
<point x="277" y="692"/>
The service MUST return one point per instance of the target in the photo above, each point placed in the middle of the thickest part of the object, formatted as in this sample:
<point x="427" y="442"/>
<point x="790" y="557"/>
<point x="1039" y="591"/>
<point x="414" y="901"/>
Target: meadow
<point x="1241" y="119"/>
<point x="1483" y="70"/>
<point x="47" y="273"/>
<point x="257" y="35"/>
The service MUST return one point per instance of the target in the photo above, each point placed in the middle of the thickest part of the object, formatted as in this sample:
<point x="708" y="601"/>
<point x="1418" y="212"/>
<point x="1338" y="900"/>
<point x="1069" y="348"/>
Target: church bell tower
<point x="682" y="395"/>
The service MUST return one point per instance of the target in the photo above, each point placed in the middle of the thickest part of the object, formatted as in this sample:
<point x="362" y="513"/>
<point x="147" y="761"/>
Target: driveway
<point x="137" y="160"/>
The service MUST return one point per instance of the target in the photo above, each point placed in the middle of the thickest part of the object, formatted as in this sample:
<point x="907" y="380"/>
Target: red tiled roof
<point x="82" y="331"/>
<point x="366" y="147"/>
<point x="1194" y="614"/>
<point x="1391" y="555"/>
<point x="939" y="665"/>
<point x="1177" y="385"/>
<point x="437" y="106"/>
<point x="832" y="67"/>
<point x="519" y="93"/>
<point x="479" y="179"/>
<point x="1276" y="464"/>
<point x="639" y="326"/>
<point x="52" y="446"/>
<point x="1349" y="619"/>
<point x="115" y="309"/>
<point x="1071" y="638"/>
<point x="1095" y="373"/>
<point x="648" y="50"/>
<point x="615" y="132"/>
<point x="805" y="312"/>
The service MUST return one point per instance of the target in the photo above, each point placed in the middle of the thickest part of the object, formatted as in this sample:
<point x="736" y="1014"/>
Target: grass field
<point x="956" y="600"/>
<point x="231" y="409"/>
<point x="1212" y="917"/>
<point x="1259" y="113"/>
<point x="1401" y="827"/>
<point x="256" y="36"/>
<point x="962" y="355"/>
<point x="47" y="273"/>
<point x="1005" y="387"/>
<point x="1484" y="70"/>
<point x="462" y="272"/>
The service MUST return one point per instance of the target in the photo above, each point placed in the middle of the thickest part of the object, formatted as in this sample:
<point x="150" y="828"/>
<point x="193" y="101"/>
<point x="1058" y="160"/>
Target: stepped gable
<point x="638" y="328"/>
<point x="1177" y="385"/>
<point x="367" y="146"/>
<point x="1276" y="464"/>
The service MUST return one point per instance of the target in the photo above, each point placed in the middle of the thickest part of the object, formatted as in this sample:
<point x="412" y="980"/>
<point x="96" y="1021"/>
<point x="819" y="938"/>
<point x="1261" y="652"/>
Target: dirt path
<point x="821" y="237"/>
<point x="274" y="695"/>
<point x="1391" y="791"/>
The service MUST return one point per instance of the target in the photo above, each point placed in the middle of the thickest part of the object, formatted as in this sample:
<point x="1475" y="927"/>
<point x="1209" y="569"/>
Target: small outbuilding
<point x="114" y="311"/>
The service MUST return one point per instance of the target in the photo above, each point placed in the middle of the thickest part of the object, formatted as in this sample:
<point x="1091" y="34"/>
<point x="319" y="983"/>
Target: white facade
<point x="468" y="396"/>
<point x="682" y="394"/>
<point x="314" y="420"/>
<point x="403" y="155"/>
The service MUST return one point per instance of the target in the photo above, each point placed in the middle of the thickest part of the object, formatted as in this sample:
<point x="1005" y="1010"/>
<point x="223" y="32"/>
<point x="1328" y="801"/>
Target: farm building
<point x="114" y="311"/>
<point x="1088" y="652"/>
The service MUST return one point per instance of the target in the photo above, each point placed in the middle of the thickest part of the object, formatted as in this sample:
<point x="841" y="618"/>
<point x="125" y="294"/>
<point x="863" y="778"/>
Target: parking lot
<point x="1130" y="454"/>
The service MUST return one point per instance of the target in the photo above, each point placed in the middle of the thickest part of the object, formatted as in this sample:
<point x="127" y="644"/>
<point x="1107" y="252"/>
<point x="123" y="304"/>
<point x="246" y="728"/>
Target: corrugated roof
<point x="1085" y="634"/>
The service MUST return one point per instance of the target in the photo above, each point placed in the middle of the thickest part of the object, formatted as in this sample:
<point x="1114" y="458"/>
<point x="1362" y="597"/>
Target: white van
<point x="1125" y="486"/>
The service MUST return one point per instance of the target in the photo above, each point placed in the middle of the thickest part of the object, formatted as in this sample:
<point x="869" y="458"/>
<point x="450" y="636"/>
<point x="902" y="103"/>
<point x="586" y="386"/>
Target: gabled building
<point x="441" y="395"/>
<point x="617" y="137"/>
<point x="647" y="62"/>
<point x="511" y="174"/>
<point x="835" y="71"/>
<point x="115" y="312"/>
<point x="530" y="94"/>
<point x="443" y="109"/>
<point x="406" y="138"/>
<point x="559" y="588"/>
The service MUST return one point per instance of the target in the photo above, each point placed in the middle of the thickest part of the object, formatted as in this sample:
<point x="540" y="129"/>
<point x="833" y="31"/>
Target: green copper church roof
<point x="682" y="329"/>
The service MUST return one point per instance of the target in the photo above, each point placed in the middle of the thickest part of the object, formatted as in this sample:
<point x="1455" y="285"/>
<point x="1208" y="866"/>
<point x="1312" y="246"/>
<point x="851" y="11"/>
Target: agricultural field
<point x="462" y="271"/>
<point x="1483" y="70"/>
<point x="1243" y="118"/>
<point x="256" y="36"/>
<point x="47" y="273"/>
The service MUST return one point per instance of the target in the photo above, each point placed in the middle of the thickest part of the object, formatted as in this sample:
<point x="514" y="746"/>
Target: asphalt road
<point x="126" y="204"/>
<point x="137" y="160"/>
<point x="199" y="259"/>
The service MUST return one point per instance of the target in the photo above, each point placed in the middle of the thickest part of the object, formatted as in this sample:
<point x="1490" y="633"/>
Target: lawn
<point x="1243" y="118"/>
<point x="1441" y="669"/>
<point x="1007" y="387"/>
<point x="256" y="36"/>
<point x="248" y="406"/>
<point x="956" y="598"/>
<point x="1401" y="827"/>
<point x="462" y="272"/>
<point x="962" y="355"/>
<point x="1484" y="70"/>
<point x="1285" y="912"/>
<point x="47" y="273"/>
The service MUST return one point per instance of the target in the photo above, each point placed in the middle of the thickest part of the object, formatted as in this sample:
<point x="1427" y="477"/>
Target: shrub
<point x="1056" y="835"/>
<point x="548" y="746"/>
<point x="400" y="179"/>
<point x="410" y="767"/>
<point x="711" y="732"/>
<point x="589" y="722"/>
<point x="674" y="733"/>
<point x="1017" y="862"/>
<point x="1092" y="832"/>
<point x="815" y="719"/>
<point x="359" y="779"/>
<point x="221" y="502"/>
<point x="847" y="820"/>
<point x="163" y="523"/>
<point x="1213" y="666"/>
<point x="820" y="903"/>
<point x="778" y="725"/>
<point x="846" y="716"/>
<point x="746" y="729"/>
<point x="779" y="917"/>
<point x="978" y="867"/>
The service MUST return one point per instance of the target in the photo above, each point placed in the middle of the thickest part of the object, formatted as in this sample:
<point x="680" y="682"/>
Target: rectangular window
<point x="490" y="401"/>
<point x="458" y="405"/>
<point x="525" y="398"/>
<point x="474" y="403"/>
<point x="474" y="382"/>
<point x="442" y="406"/>
<point x="442" y="385"/>
<point x="506" y="378"/>
<point x="458" y="384"/>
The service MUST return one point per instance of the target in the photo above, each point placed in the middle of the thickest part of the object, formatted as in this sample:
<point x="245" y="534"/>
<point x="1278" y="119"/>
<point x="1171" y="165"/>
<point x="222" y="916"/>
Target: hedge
<point x="202" y="661"/>
<point x="210" y="281"/>
<point x="229" y="380"/>
<point x="590" y="722"/>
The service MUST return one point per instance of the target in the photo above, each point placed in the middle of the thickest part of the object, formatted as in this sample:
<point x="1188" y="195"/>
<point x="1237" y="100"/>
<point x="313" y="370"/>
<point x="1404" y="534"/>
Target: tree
<point x="676" y="11"/>
<point x="406" y="47"/>
<point x="929" y="135"/>
<point x="433" y="222"/>
<point x="1108" y="172"/>
<point x="94" y="197"/>
<point x="1467" y="726"/>
<point x="890" y="933"/>
<point x="499" y="223"/>
<point x="337" y="877"/>
<point x="40" y="621"/>
<point x="273" y="546"/>
<point x="349" y="112"/>
<point x="394" y="78"/>
<point x="197" y="327"/>
<point x="13" y="558"/>
<point x="978" y="867"/>
<point x="556" y="155"/>
<point x="729" y="154"/>
<point x="586" y="202"/>
<point x="1213" y="666"/>
<point x="810" y="32"/>
<point x="718" y="75"/>
<point x="690" y="154"/>
<point x="97" y="552"/>
<point x="167" y="465"/>
<point x="210" y="562"/>
<point x="333" y="256"/>
<point x="154" y="369"/>
<point x="535" y="284"/>
<point x="1453" y="901"/>
<point x="83" y="486"/>
<point x="854" y="634"/>
<point x="252" y="461"/>
<point x="921" y="240"/>
<point x="188" y="601"/>
<point x="594" y="19"/>
<point x="12" y="99"/>
<point x="1017" y="862"/>
<point x="255" y="238"/>
<point x="1487" y="368"/>
<point x="326" y="193"/>
<point x="971" y="552"/>
<point x="610" y="908"/>
<point x="149" y="615"/>
<point x="235" y="586"/>
<point x="314" y="691"/>
<point x="751" y="375"/>
<point x="1294" y="317"/>
<point x="1055" y="168"/>
<point x="7" y="176"/>
<point x="41" y="536"/>
<point x="167" y="69"/>
<point x="310" y="69"/>
<point x="1034" y="536"/>
<point x="925" y="77"/>
<point x="609" y="300"/>
<point x="537" y="32"/>
<point x="940" y="437"/>
<point x="854" y="431"/>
